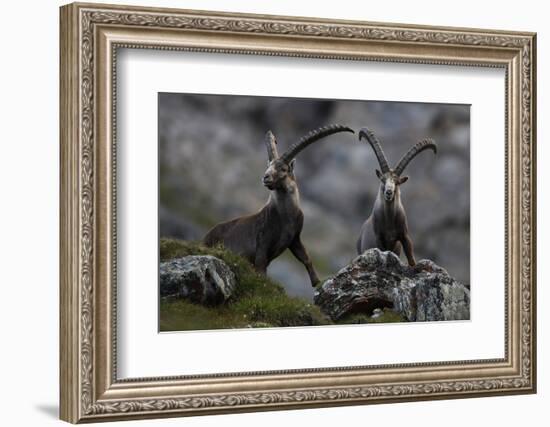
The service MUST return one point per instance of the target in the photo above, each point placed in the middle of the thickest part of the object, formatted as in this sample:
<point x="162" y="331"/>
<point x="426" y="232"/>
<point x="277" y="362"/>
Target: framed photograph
<point x="267" y="212"/>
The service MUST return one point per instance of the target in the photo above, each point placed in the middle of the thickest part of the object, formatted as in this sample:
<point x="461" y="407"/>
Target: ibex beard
<point x="263" y="236"/>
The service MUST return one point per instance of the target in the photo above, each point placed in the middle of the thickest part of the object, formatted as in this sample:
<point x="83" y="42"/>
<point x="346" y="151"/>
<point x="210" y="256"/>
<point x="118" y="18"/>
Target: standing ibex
<point x="386" y="228"/>
<point x="263" y="236"/>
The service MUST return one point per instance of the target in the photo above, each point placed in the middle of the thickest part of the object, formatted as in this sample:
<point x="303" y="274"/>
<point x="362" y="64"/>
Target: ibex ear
<point x="291" y="166"/>
<point x="379" y="174"/>
<point x="403" y="179"/>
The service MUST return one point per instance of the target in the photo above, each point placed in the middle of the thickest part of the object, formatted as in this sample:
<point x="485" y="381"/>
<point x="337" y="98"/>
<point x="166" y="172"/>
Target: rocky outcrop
<point x="200" y="279"/>
<point x="376" y="279"/>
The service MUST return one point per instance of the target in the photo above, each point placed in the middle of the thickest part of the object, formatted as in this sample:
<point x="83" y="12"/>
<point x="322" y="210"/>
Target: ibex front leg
<point x="299" y="251"/>
<point x="408" y="249"/>
<point x="260" y="259"/>
<point x="260" y="263"/>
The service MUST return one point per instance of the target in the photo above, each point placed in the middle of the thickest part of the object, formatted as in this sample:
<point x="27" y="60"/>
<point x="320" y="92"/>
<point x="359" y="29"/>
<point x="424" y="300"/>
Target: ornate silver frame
<point x="90" y="36"/>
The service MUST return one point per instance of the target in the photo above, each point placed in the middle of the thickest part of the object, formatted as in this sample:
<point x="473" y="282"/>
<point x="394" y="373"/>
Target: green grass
<point x="256" y="302"/>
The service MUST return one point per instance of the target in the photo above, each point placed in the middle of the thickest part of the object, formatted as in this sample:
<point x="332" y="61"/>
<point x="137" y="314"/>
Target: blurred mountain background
<point x="212" y="158"/>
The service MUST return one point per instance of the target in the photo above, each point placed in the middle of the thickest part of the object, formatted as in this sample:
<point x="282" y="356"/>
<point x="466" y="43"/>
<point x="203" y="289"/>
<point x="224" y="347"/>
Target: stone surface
<point x="376" y="279"/>
<point x="200" y="279"/>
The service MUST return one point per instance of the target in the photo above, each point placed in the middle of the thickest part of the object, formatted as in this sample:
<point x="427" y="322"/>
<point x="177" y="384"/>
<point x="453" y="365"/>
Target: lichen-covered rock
<point x="200" y="279"/>
<point x="376" y="279"/>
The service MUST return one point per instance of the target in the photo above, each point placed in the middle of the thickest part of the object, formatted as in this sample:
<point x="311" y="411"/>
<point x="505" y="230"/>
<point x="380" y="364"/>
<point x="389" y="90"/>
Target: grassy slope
<point x="257" y="301"/>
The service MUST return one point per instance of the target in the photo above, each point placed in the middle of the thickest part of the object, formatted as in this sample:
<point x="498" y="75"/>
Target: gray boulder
<point x="200" y="279"/>
<point x="376" y="279"/>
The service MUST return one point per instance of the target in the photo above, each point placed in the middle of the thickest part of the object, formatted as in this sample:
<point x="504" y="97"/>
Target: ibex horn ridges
<point x="425" y="144"/>
<point x="377" y="148"/>
<point x="311" y="137"/>
<point x="271" y="145"/>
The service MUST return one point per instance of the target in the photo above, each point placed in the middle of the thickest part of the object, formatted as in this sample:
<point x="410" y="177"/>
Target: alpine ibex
<point x="386" y="228"/>
<point x="263" y="236"/>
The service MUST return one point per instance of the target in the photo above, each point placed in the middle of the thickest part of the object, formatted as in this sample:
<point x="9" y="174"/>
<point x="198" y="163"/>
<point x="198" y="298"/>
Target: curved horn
<point x="425" y="144"/>
<point x="311" y="137"/>
<point x="271" y="145"/>
<point x="375" y="144"/>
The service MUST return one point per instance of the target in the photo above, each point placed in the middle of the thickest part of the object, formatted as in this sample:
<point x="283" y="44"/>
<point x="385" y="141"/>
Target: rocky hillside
<point x="211" y="288"/>
<point x="212" y="158"/>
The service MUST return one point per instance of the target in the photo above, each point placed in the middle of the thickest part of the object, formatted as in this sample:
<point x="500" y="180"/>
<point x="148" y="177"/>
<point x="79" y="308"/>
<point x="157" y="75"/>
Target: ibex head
<point x="280" y="169"/>
<point x="391" y="178"/>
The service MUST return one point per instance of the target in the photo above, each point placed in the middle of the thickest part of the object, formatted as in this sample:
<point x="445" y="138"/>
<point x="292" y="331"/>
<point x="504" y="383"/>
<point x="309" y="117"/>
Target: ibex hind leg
<point x="216" y="235"/>
<point x="209" y="240"/>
